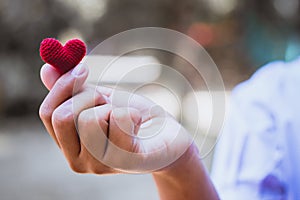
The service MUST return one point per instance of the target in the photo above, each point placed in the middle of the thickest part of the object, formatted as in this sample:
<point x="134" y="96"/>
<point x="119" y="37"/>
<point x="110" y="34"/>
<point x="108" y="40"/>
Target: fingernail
<point x="78" y="70"/>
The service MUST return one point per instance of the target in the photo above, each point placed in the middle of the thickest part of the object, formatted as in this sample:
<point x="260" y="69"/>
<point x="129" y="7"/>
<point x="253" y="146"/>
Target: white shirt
<point x="258" y="154"/>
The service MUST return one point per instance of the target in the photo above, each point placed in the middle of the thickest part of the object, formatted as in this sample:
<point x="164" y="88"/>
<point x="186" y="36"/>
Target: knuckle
<point x="121" y="114"/>
<point x="84" y="119"/>
<point x="85" y="125"/>
<point x="96" y="169"/>
<point x="77" y="167"/>
<point x="45" y="112"/>
<point x="87" y="118"/>
<point x="62" y="116"/>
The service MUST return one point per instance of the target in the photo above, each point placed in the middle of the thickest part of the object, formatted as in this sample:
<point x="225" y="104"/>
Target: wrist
<point x="187" y="159"/>
<point x="186" y="178"/>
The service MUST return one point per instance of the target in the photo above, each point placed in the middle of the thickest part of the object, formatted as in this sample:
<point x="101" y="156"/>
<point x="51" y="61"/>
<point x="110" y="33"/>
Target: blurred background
<point x="239" y="35"/>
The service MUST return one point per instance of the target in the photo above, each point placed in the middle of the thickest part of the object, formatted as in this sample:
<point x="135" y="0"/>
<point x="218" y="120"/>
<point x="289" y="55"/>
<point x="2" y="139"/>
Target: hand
<point x="106" y="137"/>
<point x="98" y="130"/>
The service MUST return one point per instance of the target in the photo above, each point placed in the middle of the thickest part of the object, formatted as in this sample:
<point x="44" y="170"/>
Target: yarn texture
<point x="62" y="58"/>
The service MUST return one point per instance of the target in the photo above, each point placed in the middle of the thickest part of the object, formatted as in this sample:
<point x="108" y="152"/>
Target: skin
<point x="80" y="117"/>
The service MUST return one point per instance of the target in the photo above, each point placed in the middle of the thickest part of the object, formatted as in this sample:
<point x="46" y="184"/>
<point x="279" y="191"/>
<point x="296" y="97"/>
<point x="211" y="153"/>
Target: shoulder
<point x="265" y="82"/>
<point x="268" y="94"/>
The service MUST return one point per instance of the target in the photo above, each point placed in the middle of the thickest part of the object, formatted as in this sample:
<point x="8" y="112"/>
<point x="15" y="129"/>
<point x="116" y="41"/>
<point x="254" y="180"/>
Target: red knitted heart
<point x="62" y="58"/>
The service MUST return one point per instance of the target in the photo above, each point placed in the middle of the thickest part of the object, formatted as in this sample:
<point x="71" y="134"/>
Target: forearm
<point x="185" y="179"/>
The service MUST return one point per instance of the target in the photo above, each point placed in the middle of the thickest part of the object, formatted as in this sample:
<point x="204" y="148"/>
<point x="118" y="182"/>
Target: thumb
<point x="49" y="75"/>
